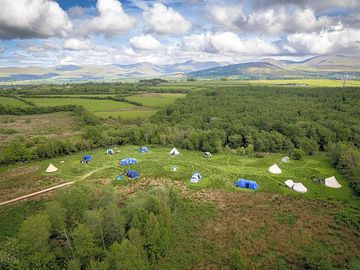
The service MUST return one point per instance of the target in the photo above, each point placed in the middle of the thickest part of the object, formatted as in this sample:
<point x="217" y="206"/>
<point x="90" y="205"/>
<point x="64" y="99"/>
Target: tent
<point x="174" y="152"/>
<point x="289" y="183"/>
<point x="332" y="182"/>
<point x="285" y="159"/>
<point x="274" y="169"/>
<point x="174" y="169"/>
<point x="207" y="155"/>
<point x="298" y="187"/>
<point x="110" y="151"/>
<point x="195" y="178"/>
<point x="51" y="168"/>
<point x="128" y="161"/>
<point x="132" y="174"/>
<point x="119" y="177"/>
<point x="243" y="183"/>
<point x="86" y="159"/>
<point x="143" y="149"/>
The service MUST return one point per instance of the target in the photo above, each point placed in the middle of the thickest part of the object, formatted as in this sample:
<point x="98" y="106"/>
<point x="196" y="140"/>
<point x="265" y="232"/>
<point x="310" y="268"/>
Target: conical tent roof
<point x="289" y="183"/>
<point x="332" y="182"/>
<point x="174" y="152"/>
<point x="274" y="169"/>
<point x="285" y="159"/>
<point x="298" y="187"/>
<point x="51" y="168"/>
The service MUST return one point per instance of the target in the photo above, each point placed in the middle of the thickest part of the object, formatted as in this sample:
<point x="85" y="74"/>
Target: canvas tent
<point x="51" y="168"/>
<point x="174" y="169"/>
<point x="132" y="174"/>
<point x="274" y="169"/>
<point x="298" y="187"/>
<point x="119" y="177"/>
<point x="289" y="183"/>
<point x="285" y="159"/>
<point x="128" y="161"/>
<point x="110" y="151"/>
<point x="195" y="178"/>
<point x="174" y="152"/>
<point x="243" y="183"/>
<point x="143" y="149"/>
<point x="85" y="159"/>
<point x="207" y="154"/>
<point x="332" y="182"/>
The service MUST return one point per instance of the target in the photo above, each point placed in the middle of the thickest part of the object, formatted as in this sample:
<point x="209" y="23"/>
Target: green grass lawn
<point x="156" y="100"/>
<point x="220" y="171"/>
<point x="12" y="101"/>
<point x="128" y="114"/>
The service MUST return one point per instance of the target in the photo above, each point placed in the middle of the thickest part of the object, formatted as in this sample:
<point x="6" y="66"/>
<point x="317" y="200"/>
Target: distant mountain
<point x="317" y="67"/>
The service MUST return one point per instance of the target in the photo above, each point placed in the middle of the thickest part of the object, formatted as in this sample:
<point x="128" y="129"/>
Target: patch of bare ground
<point x="22" y="181"/>
<point x="60" y="124"/>
<point x="264" y="227"/>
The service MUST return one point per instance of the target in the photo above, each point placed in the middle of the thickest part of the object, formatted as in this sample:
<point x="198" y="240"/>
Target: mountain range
<point x="317" y="67"/>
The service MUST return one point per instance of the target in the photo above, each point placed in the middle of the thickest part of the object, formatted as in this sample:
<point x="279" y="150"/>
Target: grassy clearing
<point x="155" y="99"/>
<point x="9" y="101"/>
<point x="220" y="171"/>
<point x="60" y="125"/>
<point x="307" y="82"/>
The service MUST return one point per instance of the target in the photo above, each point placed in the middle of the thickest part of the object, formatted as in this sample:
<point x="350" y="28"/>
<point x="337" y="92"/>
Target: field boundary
<point x="36" y="193"/>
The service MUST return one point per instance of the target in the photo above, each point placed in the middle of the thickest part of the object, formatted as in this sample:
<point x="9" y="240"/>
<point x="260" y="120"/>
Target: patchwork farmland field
<point x="155" y="99"/>
<point x="12" y="102"/>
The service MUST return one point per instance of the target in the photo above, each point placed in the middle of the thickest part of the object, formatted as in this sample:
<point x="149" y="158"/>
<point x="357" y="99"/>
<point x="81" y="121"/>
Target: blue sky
<point x="99" y="32"/>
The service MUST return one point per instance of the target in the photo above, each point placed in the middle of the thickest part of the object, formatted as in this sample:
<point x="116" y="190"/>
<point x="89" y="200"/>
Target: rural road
<point x="36" y="193"/>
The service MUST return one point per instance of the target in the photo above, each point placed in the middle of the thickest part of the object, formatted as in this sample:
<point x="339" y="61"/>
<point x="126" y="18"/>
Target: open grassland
<point x="128" y="114"/>
<point x="92" y="105"/>
<point x="59" y="125"/>
<point x="9" y="101"/>
<point x="220" y="171"/>
<point x="155" y="99"/>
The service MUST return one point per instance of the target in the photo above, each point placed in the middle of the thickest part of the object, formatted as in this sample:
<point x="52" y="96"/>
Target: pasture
<point x="155" y="99"/>
<point x="9" y="101"/>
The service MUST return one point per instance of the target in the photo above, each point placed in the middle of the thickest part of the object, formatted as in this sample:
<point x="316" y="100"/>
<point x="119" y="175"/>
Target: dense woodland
<point x="246" y="119"/>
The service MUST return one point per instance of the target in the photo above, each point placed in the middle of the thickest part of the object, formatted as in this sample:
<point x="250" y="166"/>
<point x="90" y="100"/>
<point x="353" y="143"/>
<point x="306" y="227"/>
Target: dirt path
<point x="36" y="193"/>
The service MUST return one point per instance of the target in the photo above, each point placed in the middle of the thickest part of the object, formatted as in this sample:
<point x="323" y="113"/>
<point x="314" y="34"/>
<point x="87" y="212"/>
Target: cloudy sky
<point x="49" y="32"/>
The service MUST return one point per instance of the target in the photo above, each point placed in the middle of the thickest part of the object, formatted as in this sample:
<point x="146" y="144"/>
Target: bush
<point x="16" y="151"/>
<point x="260" y="155"/>
<point x="297" y="154"/>
<point x="236" y="261"/>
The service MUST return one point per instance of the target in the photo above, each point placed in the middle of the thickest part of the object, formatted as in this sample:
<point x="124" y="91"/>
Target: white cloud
<point x="333" y="40"/>
<point x="112" y="19"/>
<point x="77" y="44"/>
<point x="165" y="20"/>
<point x="268" y="21"/>
<point x="228" y="42"/>
<point x="29" y="19"/>
<point x="145" y="42"/>
<point x="2" y="49"/>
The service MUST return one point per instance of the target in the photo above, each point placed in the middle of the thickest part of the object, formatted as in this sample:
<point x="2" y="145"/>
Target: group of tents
<point x="299" y="187"/>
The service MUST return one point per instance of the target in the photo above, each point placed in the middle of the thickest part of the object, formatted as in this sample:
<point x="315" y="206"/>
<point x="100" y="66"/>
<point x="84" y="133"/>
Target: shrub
<point x="236" y="261"/>
<point x="297" y="154"/>
<point x="260" y="155"/>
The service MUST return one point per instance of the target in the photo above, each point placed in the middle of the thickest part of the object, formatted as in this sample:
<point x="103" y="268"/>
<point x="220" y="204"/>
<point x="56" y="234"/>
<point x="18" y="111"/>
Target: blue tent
<point x="132" y="174"/>
<point x="119" y="177"/>
<point x="128" y="161"/>
<point x="86" y="158"/>
<point x="243" y="183"/>
<point x="143" y="149"/>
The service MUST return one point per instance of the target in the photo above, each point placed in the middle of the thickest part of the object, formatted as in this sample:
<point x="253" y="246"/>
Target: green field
<point x="156" y="100"/>
<point x="12" y="102"/>
<point x="98" y="107"/>
<point x="128" y="114"/>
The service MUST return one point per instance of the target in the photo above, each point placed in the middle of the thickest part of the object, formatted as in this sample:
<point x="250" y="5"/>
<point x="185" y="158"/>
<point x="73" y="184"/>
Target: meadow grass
<point x="127" y="114"/>
<point x="156" y="100"/>
<point x="12" y="102"/>
<point x="220" y="171"/>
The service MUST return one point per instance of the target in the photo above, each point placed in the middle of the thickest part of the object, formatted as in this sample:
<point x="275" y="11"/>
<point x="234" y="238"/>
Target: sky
<point x="100" y="32"/>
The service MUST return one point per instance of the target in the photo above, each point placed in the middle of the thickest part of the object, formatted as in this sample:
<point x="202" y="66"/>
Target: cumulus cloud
<point x="334" y="40"/>
<point x="145" y="42"/>
<point x="77" y="44"/>
<point x="165" y="20"/>
<point x="112" y="19"/>
<point x="268" y="21"/>
<point x="228" y="42"/>
<point x="29" y="19"/>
